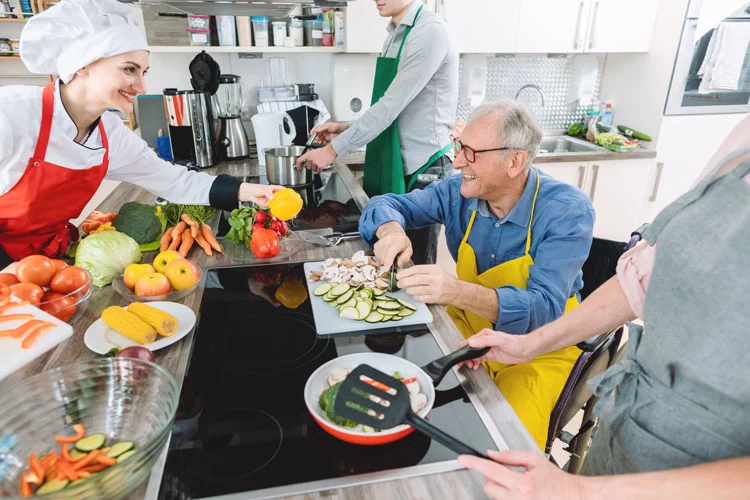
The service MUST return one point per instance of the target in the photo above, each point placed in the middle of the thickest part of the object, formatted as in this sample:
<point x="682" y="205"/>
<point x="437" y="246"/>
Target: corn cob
<point x="164" y="323"/>
<point x="128" y="324"/>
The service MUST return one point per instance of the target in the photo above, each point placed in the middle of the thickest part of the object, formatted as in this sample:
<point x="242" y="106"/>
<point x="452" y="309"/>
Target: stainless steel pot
<point x="280" y="167"/>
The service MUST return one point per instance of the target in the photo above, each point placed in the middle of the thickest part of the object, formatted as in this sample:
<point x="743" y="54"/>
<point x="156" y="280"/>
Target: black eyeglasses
<point x="471" y="153"/>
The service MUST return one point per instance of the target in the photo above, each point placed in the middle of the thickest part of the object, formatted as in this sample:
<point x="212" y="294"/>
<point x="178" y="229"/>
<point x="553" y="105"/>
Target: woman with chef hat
<point x="58" y="143"/>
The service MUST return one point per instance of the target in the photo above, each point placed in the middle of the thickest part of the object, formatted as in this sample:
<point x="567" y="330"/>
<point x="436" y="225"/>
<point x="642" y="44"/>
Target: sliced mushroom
<point x="418" y="401"/>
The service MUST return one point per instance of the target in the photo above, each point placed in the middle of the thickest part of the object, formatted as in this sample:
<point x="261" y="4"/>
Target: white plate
<point x="100" y="338"/>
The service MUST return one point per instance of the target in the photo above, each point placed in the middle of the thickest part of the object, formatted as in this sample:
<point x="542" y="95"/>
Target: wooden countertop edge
<point x="461" y="482"/>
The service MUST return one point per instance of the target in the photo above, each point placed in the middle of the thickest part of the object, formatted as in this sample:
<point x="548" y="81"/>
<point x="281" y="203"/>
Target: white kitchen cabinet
<point x="570" y="26"/>
<point x="483" y="26"/>
<point x="552" y="25"/>
<point x="365" y="28"/>
<point x="618" y="190"/>
<point x="616" y="26"/>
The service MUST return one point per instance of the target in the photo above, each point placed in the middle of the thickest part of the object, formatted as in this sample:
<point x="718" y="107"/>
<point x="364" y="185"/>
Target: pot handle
<point x="286" y="139"/>
<point x="437" y="369"/>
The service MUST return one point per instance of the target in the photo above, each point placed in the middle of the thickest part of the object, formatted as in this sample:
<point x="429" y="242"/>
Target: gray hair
<point x="515" y="125"/>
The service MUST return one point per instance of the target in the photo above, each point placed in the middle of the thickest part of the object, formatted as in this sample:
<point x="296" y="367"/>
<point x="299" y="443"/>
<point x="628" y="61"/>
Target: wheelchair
<point x="598" y="354"/>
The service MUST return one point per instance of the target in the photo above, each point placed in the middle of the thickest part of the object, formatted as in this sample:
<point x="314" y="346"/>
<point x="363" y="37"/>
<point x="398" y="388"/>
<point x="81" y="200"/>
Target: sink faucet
<point x="532" y="86"/>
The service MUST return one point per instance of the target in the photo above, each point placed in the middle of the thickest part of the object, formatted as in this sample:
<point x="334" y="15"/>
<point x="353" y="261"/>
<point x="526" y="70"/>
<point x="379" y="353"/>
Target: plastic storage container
<point x="260" y="31"/>
<point x="225" y="27"/>
<point x="296" y="31"/>
<point x="199" y="22"/>
<point x="279" y="33"/>
<point x="199" y="37"/>
<point x="244" y="32"/>
<point x="338" y="29"/>
<point x="317" y="32"/>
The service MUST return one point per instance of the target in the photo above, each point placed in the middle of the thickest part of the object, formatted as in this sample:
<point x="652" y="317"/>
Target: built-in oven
<point x="712" y="69"/>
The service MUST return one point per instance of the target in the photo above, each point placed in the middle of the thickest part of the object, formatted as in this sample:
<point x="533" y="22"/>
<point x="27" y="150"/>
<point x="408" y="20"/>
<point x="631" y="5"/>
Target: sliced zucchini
<point x="374" y="317"/>
<point x="345" y="296"/>
<point x="349" y="303"/>
<point x="91" y="443"/>
<point x="405" y="312"/>
<point x="76" y="453"/>
<point x="390" y="306"/>
<point x="118" y="449"/>
<point x="125" y="456"/>
<point x="340" y="289"/>
<point x="349" y="313"/>
<point x="52" y="485"/>
<point x="329" y="298"/>
<point x="387" y="298"/>
<point x="407" y="305"/>
<point x="377" y="292"/>
<point x="364" y="309"/>
<point x="322" y="289"/>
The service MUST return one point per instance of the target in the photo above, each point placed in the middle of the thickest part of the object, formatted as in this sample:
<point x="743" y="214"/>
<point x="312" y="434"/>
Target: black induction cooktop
<point x="327" y="204"/>
<point x="242" y="424"/>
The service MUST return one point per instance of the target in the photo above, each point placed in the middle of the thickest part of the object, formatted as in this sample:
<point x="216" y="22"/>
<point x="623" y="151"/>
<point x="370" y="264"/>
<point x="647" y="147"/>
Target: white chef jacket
<point x="130" y="158"/>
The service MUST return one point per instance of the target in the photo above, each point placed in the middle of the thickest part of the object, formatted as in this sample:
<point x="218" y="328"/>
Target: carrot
<point x="25" y="487"/>
<point x="67" y="470"/>
<point x="193" y="225"/>
<point x="200" y="240"/>
<point x="35" y="333"/>
<point x="80" y="432"/>
<point x="36" y="466"/>
<point x="210" y="238"/>
<point x="178" y="229"/>
<point x="10" y="305"/>
<point x="12" y="317"/>
<point x="85" y="460"/>
<point x="22" y="330"/>
<point x="187" y="243"/>
<point x="165" y="239"/>
<point x="105" y="460"/>
<point x="377" y="385"/>
<point x="94" y="468"/>
<point x="409" y="380"/>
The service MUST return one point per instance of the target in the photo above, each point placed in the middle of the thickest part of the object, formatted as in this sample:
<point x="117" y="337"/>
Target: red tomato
<point x="27" y="291"/>
<point x="59" y="264"/>
<point x="58" y="305"/>
<point x="36" y="269"/>
<point x="8" y="279"/>
<point x="69" y="280"/>
<point x="260" y="217"/>
<point x="279" y="227"/>
<point x="257" y="226"/>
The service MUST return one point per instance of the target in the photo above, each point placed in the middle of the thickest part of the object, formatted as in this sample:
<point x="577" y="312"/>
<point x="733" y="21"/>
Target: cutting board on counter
<point x="328" y="322"/>
<point x="12" y="356"/>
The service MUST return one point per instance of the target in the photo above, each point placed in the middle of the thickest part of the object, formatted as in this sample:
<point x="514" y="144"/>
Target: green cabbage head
<point x="106" y="255"/>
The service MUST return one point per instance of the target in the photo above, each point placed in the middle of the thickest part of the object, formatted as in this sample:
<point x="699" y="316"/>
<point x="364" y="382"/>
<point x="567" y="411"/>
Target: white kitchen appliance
<point x="351" y="90"/>
<point x="272" y="130"/>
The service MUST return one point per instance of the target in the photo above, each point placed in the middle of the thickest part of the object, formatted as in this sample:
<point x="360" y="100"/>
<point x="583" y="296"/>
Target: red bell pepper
<point x="264" y="243"/>
<point x="80" y="432"/>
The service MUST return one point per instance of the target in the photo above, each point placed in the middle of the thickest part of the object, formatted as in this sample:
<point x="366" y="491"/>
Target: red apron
<point x="35" y="213"/>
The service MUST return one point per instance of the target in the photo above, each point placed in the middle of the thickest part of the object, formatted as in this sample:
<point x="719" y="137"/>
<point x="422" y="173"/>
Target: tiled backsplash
<point x="563" y="79"/>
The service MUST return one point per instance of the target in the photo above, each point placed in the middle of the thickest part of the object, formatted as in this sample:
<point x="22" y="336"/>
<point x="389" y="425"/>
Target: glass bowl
<point x="126" y="399"/>
<point x="126" y="293"/>
<point x="288" y="245"/>
<point x="71" y="305"/>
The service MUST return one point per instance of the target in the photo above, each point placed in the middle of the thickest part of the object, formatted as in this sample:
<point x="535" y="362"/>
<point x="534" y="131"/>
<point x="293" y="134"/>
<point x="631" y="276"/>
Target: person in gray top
<point x="420" y="100"/>
<point x="674" y="419"/>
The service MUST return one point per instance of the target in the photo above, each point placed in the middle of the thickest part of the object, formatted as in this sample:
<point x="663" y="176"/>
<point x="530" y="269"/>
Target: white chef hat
<point x="68" y="36"/>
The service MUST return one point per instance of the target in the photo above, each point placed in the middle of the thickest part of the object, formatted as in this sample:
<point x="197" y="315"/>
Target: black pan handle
<point x="440" y="367"/>
<point x="441" y="437"/>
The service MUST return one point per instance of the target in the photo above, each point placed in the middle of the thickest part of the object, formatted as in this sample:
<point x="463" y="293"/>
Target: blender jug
<point x="228" y="99"/>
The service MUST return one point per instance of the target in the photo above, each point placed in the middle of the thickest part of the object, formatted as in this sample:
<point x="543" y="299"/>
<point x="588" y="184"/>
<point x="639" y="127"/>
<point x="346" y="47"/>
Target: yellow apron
<point x="532" y="388"/>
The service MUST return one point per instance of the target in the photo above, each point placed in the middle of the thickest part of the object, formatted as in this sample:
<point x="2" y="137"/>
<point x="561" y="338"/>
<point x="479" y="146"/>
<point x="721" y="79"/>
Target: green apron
<point x="384" y="168"/>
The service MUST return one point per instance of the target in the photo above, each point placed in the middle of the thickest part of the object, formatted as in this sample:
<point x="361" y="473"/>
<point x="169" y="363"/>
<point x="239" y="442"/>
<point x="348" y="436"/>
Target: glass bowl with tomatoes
<point x="50" y="284"/>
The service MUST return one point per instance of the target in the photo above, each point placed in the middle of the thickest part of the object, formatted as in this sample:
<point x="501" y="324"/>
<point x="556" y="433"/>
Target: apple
<point x="135" y="271"/>
<point x="163" y="259"/>
<point x="182" y="274"/>
<point x="151" y="284"/>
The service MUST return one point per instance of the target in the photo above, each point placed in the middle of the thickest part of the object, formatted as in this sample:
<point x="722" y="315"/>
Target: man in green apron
<point x="414" y="99"/>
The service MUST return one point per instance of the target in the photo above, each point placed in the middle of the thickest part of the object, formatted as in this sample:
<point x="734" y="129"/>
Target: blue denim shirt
<point x="561" y="235"/>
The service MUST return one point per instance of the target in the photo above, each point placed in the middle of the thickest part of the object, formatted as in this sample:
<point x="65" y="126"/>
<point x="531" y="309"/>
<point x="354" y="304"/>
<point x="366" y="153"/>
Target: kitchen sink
<point x="565" y="144"/>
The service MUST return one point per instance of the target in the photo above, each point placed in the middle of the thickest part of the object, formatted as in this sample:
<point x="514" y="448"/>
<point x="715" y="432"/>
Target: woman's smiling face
<point x="116" y="81"/>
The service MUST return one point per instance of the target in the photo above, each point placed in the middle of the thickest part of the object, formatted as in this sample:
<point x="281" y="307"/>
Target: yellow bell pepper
<point x="107" y="226"/>
<point x="291" y="294"/>
<point x="285" y="204"/>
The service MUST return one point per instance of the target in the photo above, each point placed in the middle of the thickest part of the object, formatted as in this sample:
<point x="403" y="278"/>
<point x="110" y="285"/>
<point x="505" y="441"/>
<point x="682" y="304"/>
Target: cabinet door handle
<point x="593" y="24"/>
<point x="593" y="181"/>
<point x="657" y="180"/>
<point x="581" y="175"/>
<point x="578" y="26"/>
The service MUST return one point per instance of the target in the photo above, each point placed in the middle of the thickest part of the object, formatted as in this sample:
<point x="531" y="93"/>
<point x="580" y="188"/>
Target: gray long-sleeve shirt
<point x="423" y="97"/>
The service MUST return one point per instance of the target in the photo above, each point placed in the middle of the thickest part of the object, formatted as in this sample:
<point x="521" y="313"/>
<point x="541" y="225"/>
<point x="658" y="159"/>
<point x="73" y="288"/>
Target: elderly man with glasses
<point x="519" y="238"/>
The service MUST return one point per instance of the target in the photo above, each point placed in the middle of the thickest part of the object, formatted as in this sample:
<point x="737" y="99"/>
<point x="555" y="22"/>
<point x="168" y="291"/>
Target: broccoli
<point x="327" y="401"/>
<point x="138" y="221"/>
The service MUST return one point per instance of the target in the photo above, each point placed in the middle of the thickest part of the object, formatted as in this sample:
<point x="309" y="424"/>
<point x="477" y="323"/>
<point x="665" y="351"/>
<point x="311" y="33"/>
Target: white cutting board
<point x="328" y="322"/>
<point x="12" y="357"/>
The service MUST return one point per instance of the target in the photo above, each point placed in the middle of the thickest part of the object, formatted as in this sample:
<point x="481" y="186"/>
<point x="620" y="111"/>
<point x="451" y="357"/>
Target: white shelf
<point x="194" y="49"/>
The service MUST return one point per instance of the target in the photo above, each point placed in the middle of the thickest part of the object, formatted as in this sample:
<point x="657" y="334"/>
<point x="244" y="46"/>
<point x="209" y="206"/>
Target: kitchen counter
<point x="175" y="359"/>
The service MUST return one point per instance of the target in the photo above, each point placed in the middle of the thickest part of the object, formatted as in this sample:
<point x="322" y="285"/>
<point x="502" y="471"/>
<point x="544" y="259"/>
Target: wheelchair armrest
<point x="592" y="344"/>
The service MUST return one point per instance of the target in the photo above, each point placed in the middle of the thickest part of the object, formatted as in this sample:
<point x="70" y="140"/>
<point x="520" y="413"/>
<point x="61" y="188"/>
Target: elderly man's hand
<point x="539" y="479"/>
<point x="317" y="159"/>
<point x="393" y="242"/>
<point x="429" y="284"/>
